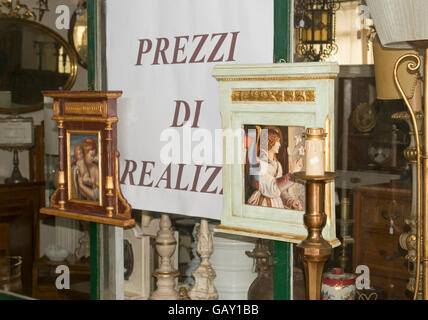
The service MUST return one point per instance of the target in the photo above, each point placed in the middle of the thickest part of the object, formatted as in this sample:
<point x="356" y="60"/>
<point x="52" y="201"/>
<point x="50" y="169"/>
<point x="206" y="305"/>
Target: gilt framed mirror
<point x="33" y="58"/>
<point x="78" y="34"/>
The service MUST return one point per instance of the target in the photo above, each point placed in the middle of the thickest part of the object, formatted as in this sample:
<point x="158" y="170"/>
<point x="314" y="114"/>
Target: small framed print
<point x="269" y="107"/>
<point x="16" y="132"/>
<point x="84" y="166"/>
<point x="88" y="160"/>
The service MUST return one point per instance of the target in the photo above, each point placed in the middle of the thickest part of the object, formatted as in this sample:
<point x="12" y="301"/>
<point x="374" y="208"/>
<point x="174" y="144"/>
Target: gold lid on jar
<point x="315" y="133"/>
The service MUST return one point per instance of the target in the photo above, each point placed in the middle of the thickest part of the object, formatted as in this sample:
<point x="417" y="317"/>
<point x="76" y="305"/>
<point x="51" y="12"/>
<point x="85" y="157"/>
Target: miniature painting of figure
<point x="84" y="167"/>
<point x="273" y="153"/>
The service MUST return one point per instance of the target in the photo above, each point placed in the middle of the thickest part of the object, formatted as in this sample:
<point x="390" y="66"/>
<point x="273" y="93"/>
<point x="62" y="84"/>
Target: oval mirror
<point x="78" y="34"/>
<point x="32" y="58"/>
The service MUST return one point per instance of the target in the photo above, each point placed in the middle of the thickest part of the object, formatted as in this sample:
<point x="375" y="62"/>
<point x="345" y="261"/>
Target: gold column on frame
<point x="61" y="172"/>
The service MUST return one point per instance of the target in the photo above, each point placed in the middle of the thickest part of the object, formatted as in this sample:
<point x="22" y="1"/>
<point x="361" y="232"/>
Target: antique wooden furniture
<point x="4" y="239"/>
<point x="19" y="210"/>
<point x="293" y="96"/>
<point x="88" y="173"/>
<point x="369" y="145"/>
<point x="379" y="214"/>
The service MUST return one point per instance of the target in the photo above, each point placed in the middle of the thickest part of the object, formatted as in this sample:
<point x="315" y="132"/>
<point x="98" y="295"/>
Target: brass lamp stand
<point x="422" y="218"/>
<point x="314" y="250"/>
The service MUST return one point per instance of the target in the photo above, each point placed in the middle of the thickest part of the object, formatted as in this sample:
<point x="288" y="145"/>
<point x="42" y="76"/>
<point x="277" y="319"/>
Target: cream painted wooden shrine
<point x="283" y="95"/>
<point x="298" y="95"/>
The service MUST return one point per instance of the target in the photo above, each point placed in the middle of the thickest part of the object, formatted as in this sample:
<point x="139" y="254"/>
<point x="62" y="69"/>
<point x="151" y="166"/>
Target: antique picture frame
<point x="292" y="95"/>
<point x="88" y="160"/>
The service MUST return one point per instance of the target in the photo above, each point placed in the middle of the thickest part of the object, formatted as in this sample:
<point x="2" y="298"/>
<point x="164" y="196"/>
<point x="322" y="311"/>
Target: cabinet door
<point x="19" y="205"/>
<point x="380" y="215"/>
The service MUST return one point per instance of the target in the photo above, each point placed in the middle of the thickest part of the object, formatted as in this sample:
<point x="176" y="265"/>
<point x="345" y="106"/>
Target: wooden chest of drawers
<point x="379" y="215"/>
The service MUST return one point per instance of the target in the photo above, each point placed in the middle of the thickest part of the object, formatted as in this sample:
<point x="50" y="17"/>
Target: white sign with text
<point x="161" y="55"/>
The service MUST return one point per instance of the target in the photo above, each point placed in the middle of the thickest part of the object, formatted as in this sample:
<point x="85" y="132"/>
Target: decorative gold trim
<point x="53" y="198"/>
<point x="274" y="78"/>
<point x="405" y="115"/>
<point x="258" y="232"/>
<point x="87" y="217"/>
<point x="21" y="110"/>
<point x="56" y="107"/>
<point x="328" y="167"/>
<point x="81" y="94"/>
<point x="78" y="107"/>
<point x="171" y="274"/>
<point x="315" y="134"/>
<point x="86" y="118"/>
<point x="286" y="236"/>
<point x="92" y="132"/>
<point x="109" y="183"/>
<point x="117" y="185"/>
<point x="109" y="211"/>
<point x="61" y="177"/>
<point x="272" y="95"/>
<point x="411" y="154"/>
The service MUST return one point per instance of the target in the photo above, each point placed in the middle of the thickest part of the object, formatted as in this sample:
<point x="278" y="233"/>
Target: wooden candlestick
<point x="314" y="250"/>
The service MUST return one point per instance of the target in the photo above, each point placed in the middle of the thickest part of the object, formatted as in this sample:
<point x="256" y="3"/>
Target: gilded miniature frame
<point x="283" y="98"/>
<point x="88" y="160"/>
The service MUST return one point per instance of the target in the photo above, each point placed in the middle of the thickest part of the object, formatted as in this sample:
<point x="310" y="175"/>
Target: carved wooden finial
<point x="204" y="274"/>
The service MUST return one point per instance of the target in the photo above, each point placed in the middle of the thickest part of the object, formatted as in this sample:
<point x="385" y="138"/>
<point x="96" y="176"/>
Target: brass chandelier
<point x="16" y="9"/>
<point x="315" y="21"/>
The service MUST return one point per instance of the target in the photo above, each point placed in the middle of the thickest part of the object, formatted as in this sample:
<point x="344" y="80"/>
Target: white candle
<point x="314" y="151"/>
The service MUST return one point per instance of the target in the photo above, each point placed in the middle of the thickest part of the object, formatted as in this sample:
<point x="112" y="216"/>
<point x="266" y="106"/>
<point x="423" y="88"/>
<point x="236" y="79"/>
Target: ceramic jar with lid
<point x="337" y="285"/>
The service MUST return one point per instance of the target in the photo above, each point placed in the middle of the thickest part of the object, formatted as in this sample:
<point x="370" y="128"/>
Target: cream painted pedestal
<point x="233" y="268"/>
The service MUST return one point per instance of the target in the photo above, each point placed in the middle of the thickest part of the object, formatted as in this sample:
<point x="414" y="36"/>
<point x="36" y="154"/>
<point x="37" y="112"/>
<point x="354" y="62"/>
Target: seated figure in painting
<point x="270" y="182"/>
<point x="79" y="161"/>
<point x="86" y="175"/>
